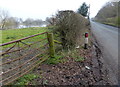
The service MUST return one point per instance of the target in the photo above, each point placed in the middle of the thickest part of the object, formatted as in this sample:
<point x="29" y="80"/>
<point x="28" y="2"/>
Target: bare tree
<point x="11" y="23"/>
<point x="4" y="15"/>
<point x="37" y="22"/>
<point x="31" y="22"/>
<point x="51" y="20"/>
<point x="28" y="22"/>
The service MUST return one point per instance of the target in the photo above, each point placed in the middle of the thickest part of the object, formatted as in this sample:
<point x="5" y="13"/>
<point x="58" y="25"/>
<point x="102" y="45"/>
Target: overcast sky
<point x="45" y="8"/>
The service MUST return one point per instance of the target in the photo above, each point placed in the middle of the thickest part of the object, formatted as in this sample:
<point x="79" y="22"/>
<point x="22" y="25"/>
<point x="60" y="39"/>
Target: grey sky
<point x="44" y="8"/>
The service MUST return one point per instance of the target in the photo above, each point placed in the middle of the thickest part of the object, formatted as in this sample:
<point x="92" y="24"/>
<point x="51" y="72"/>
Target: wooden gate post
<point x="51" y="44"/>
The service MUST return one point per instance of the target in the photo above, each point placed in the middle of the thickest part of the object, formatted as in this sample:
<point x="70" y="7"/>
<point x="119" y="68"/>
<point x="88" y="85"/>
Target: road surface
<point x="107" y="38"/>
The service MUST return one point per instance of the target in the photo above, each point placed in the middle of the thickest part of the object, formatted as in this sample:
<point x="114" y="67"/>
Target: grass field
<point x="14" y="34"/>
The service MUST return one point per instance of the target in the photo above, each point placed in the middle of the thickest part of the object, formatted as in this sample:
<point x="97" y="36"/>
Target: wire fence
<point x="21" y="56"/>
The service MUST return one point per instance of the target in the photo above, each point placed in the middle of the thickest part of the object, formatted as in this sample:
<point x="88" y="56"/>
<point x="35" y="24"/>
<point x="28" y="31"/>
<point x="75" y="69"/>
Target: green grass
<point x="73" y="54"/>
<point x="14" y="34"/>
<point x="79" y="59"/>
<point x="57" y="59"/>
<point x="113" y="21"/>
<point x="25" y="79"/>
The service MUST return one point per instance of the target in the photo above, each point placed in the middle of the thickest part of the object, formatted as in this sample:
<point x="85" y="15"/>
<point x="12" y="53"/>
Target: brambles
<point x="69" y="26"/>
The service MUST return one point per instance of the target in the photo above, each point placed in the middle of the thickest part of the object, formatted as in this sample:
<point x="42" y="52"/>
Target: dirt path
<point x="89" y="72"/>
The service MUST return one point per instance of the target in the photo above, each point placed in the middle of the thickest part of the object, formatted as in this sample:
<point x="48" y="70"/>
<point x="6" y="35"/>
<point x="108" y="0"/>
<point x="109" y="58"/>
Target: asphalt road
<point x="107" y="38"/>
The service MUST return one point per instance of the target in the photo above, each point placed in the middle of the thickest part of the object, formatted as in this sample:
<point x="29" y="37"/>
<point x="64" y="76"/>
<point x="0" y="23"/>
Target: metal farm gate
<point x="21" y="56"/>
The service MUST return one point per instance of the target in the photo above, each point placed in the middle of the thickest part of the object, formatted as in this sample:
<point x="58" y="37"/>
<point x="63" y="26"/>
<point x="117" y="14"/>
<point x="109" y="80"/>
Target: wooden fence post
<point x="51" y="44"/>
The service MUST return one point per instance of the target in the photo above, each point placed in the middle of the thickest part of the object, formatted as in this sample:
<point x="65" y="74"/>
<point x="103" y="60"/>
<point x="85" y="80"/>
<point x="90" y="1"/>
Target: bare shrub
<point x="69" y="26"/>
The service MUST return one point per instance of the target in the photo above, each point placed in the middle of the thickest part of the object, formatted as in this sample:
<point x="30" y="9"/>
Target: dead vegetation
<point x="69" y="28"/>
<point x="72" y="72"/>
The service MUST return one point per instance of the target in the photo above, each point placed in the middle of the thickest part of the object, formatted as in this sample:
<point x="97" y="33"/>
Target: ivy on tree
<point x="83" y="10"/>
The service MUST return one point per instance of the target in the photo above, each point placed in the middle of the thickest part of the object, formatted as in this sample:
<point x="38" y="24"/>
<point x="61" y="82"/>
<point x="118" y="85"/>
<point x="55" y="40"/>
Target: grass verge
<point x="57" y="59"/>
<point x="25" y="79"/>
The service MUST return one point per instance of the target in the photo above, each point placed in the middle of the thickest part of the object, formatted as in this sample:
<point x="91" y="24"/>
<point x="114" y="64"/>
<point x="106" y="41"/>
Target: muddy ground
<point x="91" y="71"/>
